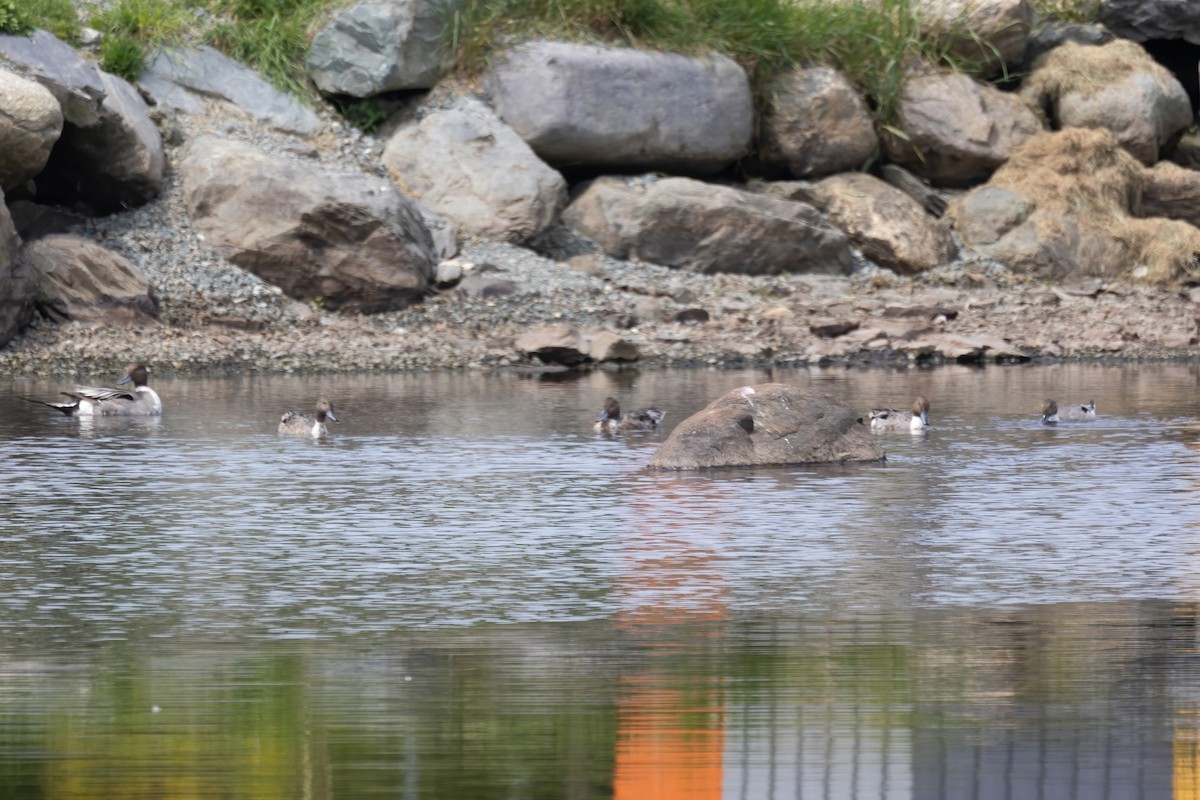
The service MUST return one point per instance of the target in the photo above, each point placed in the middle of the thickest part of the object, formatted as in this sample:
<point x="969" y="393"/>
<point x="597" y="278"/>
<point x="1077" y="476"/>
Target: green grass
<point x="123" y="56"/>
<point x="56" y="16"/>
<point x="1068" y="10"/>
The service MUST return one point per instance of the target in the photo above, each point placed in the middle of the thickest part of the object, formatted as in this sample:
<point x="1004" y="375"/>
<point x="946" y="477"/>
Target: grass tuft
<point x="56" y="16"/>
<point x="123" y="56"/>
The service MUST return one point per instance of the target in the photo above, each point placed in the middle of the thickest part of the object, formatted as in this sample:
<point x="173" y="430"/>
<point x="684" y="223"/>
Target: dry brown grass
<point x="1089" y="69"/>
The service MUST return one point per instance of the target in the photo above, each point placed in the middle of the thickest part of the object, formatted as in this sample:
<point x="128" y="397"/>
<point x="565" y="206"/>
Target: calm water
<point x="465" y="593"/>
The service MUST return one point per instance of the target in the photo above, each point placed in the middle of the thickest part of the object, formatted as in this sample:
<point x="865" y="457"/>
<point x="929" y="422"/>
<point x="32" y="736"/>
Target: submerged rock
<point x="768" y="424"/>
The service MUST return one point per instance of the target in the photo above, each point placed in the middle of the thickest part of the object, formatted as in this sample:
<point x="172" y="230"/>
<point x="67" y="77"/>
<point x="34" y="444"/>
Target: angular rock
<point x="768" y="424"/>
<point x="115" y="163"/>
<point x="1062" y="207"/>
<point x="816" y="124"/>
<point x="1056" y="33"/>
<point x="956" y="131"/>
<point x="30" y="123"/>
<point x="78" y="279"/>
<point x="73" y="80"/>
<point x="991" y="33"/>
<point x="609" y="346"/>
<point x="1117" y="86"/>
<point x="1142" y="20"/>
<point x="553" y="344"/>
<point x="605" y="106"/>
<point x="680" y="222"/>
<point x="466" y="164"/>
<point x="209" y="72"/>
<point x="376" y="47"/>
<point x="351" y="241"/>
<point x="16" y="287"/>
<point x="1173" y="192"/>
<point x="887" y="225"/>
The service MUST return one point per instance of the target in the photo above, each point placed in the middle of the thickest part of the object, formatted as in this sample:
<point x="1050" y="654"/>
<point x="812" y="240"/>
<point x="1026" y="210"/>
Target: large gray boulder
<point x="991" y="33"/>
<point x="1142" y="20"/>
<point x="956" y="131"/>
<point x="681" y="222"/>
<point x="16" y="288"/>
<point x="768" y="424"/>
<point x="1117" y="86"/>
<point x="209" y="73"/>
<point x="815" y="123"/>
<point x="605" y="106"/>
<point x="350" y="241"/>
<point x="30" y="123"/>
<point x="73" y="80"/>
<point x="375" y="47"/>
<point x="115" y="163"/>
<point x="78" y="279"/>
<point x="467" y="165"/>
<point x="888" y="226"/>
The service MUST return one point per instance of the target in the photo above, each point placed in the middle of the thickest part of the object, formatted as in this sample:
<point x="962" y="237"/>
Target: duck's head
<point x="139" y="374"/>
<point x="612" y="410"/>
<point x="325" y="410"/>
<point x="1049" y="412"/>
<point x="921" y="408"/>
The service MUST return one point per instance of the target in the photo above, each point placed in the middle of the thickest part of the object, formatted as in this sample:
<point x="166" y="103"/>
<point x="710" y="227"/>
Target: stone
<point x="1056" y="33"/>
<point x="77" y="279"/>
<point x="73" y="80"/>
<point x="815" y="124"/>
<point x="484" y="286"/>
<point x="609" y="346"/>
<point x="956" y="131"/>
<point x="831" y="328"/>
<point x="350" y="242"/>
<point x="768" y="424"/>
<point x="31" y="121"/>
<point x="116" y="163"/>
<point x="681" y="222"/>
<point x="1172" y="191"/>
<point x="1142" y="20"/>
<point x="585" y="105"/>
<point x="991" y="33"/>
<point x="1117" y="86"/>
<point x="34" y="221"/>
<point x="16" y="283"/>
<point x="376" y="47"/>
<point x="208" y="72"/>
<point x="887" y="225"/>
<point x="449" y="273"/>
<point x="553" y="344"/>
<point x="465" y="164"/>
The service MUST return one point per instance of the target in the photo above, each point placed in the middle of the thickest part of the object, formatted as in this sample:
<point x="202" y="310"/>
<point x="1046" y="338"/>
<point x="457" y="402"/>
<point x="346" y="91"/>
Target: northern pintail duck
<point x="293" y="423"/>
<point x="889" y="419"/>
<point x="87" y="401"/>
<point x="1078" y="412"/>
<point x="611" y="419"/>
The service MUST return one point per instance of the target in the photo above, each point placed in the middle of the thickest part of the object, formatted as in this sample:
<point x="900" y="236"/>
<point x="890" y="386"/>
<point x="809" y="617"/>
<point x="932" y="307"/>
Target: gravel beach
<point x="215" y="317"/>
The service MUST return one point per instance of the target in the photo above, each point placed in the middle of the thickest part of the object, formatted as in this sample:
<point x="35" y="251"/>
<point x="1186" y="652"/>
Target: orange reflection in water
<point x="671" y="729"/>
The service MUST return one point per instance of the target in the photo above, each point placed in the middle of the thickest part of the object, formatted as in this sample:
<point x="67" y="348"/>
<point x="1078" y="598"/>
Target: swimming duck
<point x="1079" y="412"/>
<point x="611" y="420"/>
<point x="294" y="423"/>
<point x="87" y="401"/>
<point x="889" y="419"/>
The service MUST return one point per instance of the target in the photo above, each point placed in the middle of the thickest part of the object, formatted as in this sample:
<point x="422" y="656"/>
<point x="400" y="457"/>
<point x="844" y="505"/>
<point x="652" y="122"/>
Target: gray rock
<point x="768" y="424"/>
<point x="680" y="222"/>
<point x="597" y="106"/>
<point x="1142" y="20"/>
<point x="815" y="123"/>
<point x="991" y="33"/>
<point x="484" y="286"/>
<point x="887" y="225"/>
<point x="73" y="80"/>
<point x="1117" y="86"/>
<point x="375" y="47"/>
<point x="30" y="124"/>
<point x="170" y="95"/>
<point x="78" y="279"/>
<point x="553" y="344"/>
<point x="1055" y="34"/>
<point x="208" y="72"/>
<point x="956" y="131"/>
<point x="351" y="241"/>
<point x="116" y="163"/>
<point x="468" y="165"/>
<point x="16" y="287"/>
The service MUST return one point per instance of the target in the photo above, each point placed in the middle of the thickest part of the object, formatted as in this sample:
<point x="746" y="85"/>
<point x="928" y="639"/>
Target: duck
<point x="89" y="401"/>
<point x="611" y="419"/>
<point x="294" y="423"/>
<point x="914" y="421"/>
<point x="1078" y="412"/>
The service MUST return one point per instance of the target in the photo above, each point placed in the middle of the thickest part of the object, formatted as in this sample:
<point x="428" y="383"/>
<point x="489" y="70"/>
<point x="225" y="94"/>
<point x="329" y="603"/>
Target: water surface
<point x="466" y="593"/>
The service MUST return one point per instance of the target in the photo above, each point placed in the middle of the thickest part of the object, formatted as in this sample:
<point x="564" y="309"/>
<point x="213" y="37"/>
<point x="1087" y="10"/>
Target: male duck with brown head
<point x="88" y="401"/>
<point x="612" y="420"/>
<point x="889" y="419"/>
<point x="293" y="423"/>
<point x="1078" y="412"/>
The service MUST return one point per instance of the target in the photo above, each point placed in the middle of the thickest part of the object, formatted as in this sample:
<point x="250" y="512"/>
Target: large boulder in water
<point x="768" y="424"/>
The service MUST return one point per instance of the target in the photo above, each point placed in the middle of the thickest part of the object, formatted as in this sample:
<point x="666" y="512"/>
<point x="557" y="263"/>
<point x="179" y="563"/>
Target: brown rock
<point x="78" y="279"/>
<point x="609" y="346"/>
<point x="558" y="344"/>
